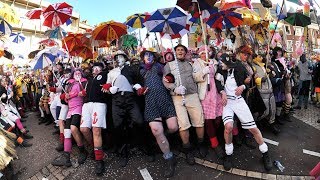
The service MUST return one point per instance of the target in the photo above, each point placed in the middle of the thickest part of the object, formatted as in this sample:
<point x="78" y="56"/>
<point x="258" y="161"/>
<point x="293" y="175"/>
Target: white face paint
<point x="121" y="60"/>
<point x="77" y="75"/>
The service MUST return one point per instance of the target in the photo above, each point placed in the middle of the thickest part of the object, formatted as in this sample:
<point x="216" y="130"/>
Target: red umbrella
<point x="34" y="13"/>
<point x="82" y="51"/>
<point x="48" y="42"/>
<point x="225" y="20"/>
<point x="109" y="31"/>
<point x="57" y="14"/>
<point x="231" y="4"/>
<point x="72" y="40"/>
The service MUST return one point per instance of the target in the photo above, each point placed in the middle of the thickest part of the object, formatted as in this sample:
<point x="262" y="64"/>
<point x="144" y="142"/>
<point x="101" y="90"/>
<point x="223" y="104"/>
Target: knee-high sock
<point x="19" y="124"/>
<point x="211" y="130"/>
<point x="67" y="140"/>
<point x="286" y="108"/>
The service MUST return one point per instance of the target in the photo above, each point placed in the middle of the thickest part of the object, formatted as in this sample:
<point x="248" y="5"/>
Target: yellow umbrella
<point x="8" y="13"/>
<point x="250" y="17"/>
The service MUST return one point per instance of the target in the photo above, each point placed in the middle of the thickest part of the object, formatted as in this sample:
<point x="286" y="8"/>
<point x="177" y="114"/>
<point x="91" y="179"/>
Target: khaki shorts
<point x="192" y="107"/>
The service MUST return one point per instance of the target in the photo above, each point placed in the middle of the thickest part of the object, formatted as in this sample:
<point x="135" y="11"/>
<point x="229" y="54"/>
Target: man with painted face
<point x="184" y="93"/>
<point x="94" y="112"/>
<point x="121" y="84"/>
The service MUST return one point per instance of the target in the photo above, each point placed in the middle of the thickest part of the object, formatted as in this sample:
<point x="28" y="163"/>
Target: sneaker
<point x="99" y="168"/>
<point x="25" y="144"/>
<point x="266" y="161"/>
<point x="63" y="160"/>
<point x="227" y="163"/>
<point x="27" y="136"/>
<point x="169" y="167"/>
<point x="82" y="156"/>
<point x="60" y="147"/>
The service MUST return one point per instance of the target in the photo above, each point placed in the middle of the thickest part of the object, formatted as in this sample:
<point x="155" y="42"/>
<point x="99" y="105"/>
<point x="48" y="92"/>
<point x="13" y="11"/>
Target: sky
<point x="97" y="11"/>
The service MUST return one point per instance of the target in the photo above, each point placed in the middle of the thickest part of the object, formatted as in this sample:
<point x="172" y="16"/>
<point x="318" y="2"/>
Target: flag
<point x="296" y="2"/>
<point x="281" y="14"/>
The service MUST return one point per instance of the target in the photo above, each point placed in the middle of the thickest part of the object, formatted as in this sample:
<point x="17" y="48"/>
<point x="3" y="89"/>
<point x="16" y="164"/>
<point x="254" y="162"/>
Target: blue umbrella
<point x="168" y="20"/>
<point x="57" y="33"/>
<point x="5" y="27"/>
<point x="17" y="37"/>
<point x="43" y="59"/>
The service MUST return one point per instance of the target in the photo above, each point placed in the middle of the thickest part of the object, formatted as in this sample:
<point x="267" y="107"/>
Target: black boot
<point x="275" y="130"/>
<point x="203" y="149"/>
<point x="124" y="155"/>
<point x="27" y="136"/>
<point x="42" y="120"/>
<point x="219" y="151"/>
<point x="63" y="160"/>
<point x="189" y="154"/>
<point x="287" y="117"/>
<point x="266" y="161"/>
<point x="25" y="144"/>
<point x="60" y="147"/>
<point x="83" y="155"/>
<point x="278" y="120"/>
<point x="99" y="168"/>
<point x="50" y="120"/>
<point x="227" y="163"/>
<point x="169" y="167"/>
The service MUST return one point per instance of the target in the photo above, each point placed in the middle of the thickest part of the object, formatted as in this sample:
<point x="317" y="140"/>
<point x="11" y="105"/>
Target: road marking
<point x="271" y="141"/>
<point x="312" y="153"/>
<point x="145" y="174"/>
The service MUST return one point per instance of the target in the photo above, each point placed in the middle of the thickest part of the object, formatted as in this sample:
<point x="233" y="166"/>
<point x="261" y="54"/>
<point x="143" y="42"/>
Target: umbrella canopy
<point x="72" y="40"/>
<point x="8" y="13"/>
<point x="34" y="13"/>
<point x="128" y="41"/>
<point x="57" y="14"/>
<point x="175" y="36"/>
<point x="191" y="5"/>
<point x="136" y="21"/>
<point x="298" y="19"/>
<point x="33" y="54"/>
<point x="231" y="4"/>
<point x="57" y="33"/>
<point x="249" y="16"/>
<point x="168" y="20"/>
<point x="82" y="51"/>
<point x="195" y="16"/>
<point x="8" y="54"/>
<point x="48" y="42"/>
<point x="5" y="27"/>
<point x="17" y="37"/>
<point x="109" y="31"/>
<point x="43" y="59"/>
<point x="225" y="19"/>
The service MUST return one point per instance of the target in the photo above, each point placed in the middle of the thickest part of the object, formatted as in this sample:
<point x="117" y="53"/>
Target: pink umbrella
<point x="34" y="13"/>
<point x="57" y="14"/>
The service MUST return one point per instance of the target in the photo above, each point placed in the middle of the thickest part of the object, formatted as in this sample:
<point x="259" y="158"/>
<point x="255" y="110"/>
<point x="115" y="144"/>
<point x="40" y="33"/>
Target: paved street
<point x="288" y="148"/>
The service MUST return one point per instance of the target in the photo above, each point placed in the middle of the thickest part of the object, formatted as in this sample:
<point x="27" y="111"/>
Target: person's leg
<point x="75" y="130"/>
<point x="306" y="93"/>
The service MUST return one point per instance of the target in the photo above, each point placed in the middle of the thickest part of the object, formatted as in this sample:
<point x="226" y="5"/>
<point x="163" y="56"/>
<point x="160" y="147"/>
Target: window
<point x="288" y="29"/>
<point x="289" y="45"/>
<point x="298" y="31"/>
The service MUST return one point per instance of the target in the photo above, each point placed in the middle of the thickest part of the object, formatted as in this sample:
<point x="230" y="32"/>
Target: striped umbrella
<point x="5" y="27"/>
<point x="192" y="5"/>
<point x="17" y="37"/>
<point x="231" y="4"/>
<point x="82" y="51"/>
<point x="43" y="59"/>
<point x="109" y="31"/>
<point x="225" y="19"/>
<point x="57" y="14"/>
<point x="34" y="13"/>
<point x="57" y="33"/>
<point x="136" y="21"/>
<point x="49" y="42"/>
<point x="72" y="40"/>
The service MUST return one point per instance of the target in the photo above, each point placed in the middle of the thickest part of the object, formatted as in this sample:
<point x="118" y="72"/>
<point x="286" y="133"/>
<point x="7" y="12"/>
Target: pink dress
<point x="75" y="102"/>
<point x="212" y="103"/>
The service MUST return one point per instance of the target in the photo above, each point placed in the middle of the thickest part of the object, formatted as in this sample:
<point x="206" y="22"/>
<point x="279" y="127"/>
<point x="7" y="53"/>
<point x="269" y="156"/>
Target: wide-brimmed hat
<point x="180" y="45"/>
<point x="151" y="50"/>
<point x="118" y="53"/>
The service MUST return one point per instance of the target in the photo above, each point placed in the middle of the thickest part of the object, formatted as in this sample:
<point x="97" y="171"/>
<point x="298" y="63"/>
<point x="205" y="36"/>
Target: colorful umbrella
<point x="192" y="6"/>
<point x="43" y="59"/>
<point x="57" y="33"/>
<point x="249" y="16"/>
<point x="136" y="21"/>
<point x="175" y="36"/>
<point x="34" y="13"/>
<point x="8" y="55"/>
<point x="231" y="4"/>
<point x="168" y="20"/>
<point x="57" y="14"/>
<point x="5" y="27"/>
<point x="49" y="42"/>
<point x="17" y="37"/>
<point x="33" y="54"/>
<point x="72" y="40"/>
<point x="298" y="19"/>
<point x="8" y="13"/>
<point x="89" y="41"/>
<point x="225" y="19"/>
<point x="82" y="51"/>
<point x="128" y="41"/>
<point x="195" y="16"/>
<point x="109" y="31"/>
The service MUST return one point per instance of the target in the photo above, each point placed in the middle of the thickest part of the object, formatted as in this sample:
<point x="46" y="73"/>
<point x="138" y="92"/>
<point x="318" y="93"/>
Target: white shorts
<point x="94" y="115"/>
<point x="241" y="109"/>
<point x="63" y="112"/>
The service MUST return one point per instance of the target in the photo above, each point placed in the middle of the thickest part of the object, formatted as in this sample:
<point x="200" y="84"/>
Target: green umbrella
<point x="128" y="41"/>
<point x="298" y="19"/>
